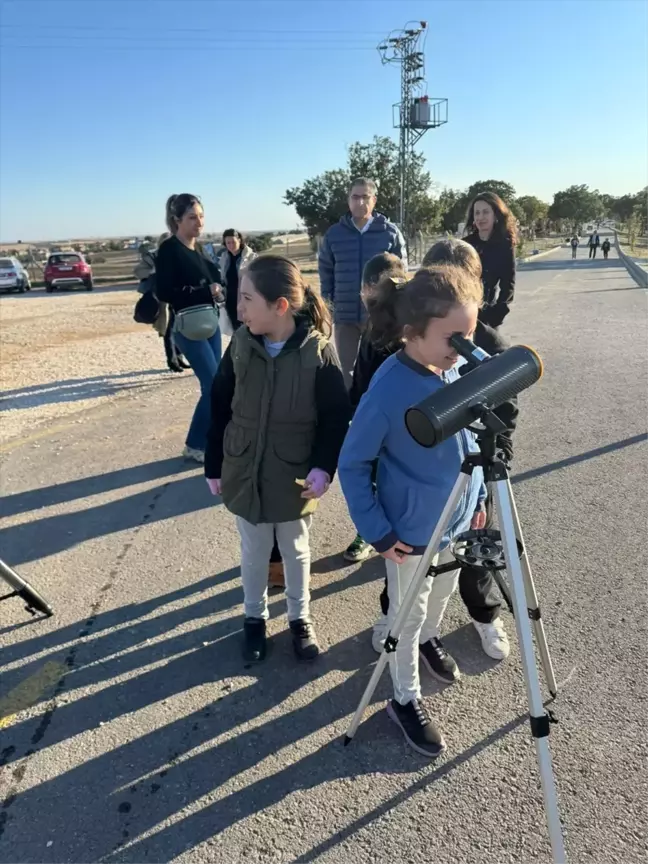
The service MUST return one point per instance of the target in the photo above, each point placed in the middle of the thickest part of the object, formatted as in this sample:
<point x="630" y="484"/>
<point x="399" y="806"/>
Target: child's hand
<point x="214" y="486"/>
<point x="398" y="552"/>
<point x="478" y="521"/>
<point x="316" y="484"/>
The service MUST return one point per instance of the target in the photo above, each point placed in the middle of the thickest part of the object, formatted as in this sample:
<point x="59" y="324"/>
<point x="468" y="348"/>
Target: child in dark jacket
<point x="413" y="483"/>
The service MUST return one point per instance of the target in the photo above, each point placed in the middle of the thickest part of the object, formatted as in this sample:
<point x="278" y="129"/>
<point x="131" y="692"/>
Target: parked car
<point x="67" y="269"/>
<point x="13" y="276"/>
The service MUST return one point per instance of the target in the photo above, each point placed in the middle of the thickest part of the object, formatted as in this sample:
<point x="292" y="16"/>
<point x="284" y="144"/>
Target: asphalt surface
<point x="133" y="732"/>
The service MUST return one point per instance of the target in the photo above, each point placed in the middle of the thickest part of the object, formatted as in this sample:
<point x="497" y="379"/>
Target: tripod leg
<point x="538" y="716"/>
<point x="24" y="590"/>
<point x="408" y="601"/>
<point x="532" y="603"/>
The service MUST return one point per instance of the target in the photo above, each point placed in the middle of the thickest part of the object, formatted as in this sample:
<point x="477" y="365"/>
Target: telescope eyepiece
<point x="467" y="349"/>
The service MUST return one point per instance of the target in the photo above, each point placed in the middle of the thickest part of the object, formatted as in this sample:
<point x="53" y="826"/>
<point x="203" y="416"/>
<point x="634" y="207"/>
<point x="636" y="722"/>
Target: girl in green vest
<point x="280" y="411"/>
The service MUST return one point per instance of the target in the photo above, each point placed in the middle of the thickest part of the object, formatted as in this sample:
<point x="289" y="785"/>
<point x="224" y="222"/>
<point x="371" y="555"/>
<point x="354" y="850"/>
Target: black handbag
<point x="147" y="308"/>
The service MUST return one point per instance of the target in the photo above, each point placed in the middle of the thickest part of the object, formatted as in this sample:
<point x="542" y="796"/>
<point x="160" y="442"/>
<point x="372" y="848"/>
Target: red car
<point x="67" y="269"/>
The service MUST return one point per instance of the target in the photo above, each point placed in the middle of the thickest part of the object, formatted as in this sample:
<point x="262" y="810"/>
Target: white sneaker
<point x="494" y="639"/>
<point x="196" y="455"/>
<point x="380" y="630"/>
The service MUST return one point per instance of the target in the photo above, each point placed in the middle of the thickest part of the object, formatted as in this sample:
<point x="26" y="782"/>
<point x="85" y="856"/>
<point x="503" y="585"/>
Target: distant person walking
<point x="575" y="242"/>
<point x="606" y="247"/>
<point x="347" y="246"/>
<point x="491" y="230"/>
<point x="189" y="282"/>
<point x="594" y="242"/>
<point x="235" y="256"/>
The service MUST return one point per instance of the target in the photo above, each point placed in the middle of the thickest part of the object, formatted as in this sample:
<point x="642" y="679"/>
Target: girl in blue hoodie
<point x="398" y="516"/>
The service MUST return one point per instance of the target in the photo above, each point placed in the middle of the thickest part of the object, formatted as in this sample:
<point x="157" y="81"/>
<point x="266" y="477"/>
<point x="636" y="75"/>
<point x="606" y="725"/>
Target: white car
<point x="13" y="276"/>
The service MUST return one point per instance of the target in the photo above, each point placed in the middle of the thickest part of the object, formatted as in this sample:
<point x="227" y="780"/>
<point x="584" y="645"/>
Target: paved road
<point x="134" y="733"/>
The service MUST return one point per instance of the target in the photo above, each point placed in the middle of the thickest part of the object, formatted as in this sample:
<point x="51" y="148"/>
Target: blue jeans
<point x="204" y="355"/>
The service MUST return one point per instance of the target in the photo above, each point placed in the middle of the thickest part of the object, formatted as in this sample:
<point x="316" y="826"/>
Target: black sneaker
<point x="357" y="551"/>
<point x="438" y="662"/>
<point x="254" y="640"/>
<point x="418" y="727"/>
<point x="304" y="639"/>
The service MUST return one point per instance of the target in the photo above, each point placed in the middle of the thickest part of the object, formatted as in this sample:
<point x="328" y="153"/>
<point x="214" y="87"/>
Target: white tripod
<point x="492" y="550"/>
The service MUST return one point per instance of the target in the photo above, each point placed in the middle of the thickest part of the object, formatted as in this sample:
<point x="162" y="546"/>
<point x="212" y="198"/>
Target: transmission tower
<point x="416" y="112"/>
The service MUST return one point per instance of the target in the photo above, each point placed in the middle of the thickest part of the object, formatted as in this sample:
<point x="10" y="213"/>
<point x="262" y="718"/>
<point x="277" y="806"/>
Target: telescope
<point x="491" y="381"/>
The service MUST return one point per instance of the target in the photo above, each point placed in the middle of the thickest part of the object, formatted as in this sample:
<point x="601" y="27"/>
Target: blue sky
<point x="109" y="107"/>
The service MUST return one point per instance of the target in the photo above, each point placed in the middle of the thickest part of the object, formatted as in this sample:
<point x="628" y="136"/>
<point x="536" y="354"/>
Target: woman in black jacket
<point x="492" y="232"/>
<point x="186" y="278"/>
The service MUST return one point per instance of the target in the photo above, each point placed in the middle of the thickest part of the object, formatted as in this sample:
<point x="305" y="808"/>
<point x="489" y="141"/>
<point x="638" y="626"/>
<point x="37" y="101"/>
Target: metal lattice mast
<point x="416" y="112"/>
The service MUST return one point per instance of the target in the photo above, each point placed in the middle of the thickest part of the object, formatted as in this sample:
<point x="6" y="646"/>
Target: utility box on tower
<point x="420" y="112"/>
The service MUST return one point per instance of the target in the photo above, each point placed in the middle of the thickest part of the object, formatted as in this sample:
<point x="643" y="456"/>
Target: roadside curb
<point x="637" y="272"/>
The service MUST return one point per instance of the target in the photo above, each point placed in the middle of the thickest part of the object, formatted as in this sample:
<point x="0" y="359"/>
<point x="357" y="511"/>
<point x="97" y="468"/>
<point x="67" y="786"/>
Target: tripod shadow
<point x="72" y="490"/>
<point x="74" y="390"/>
<point x="30" y="541"/>
<point x="113" y="653"/>
<point x="250" y="715"/>
<point x="419" y="786"/>
<point x="580" y="457"/>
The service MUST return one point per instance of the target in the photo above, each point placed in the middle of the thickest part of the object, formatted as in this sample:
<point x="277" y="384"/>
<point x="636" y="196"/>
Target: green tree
<point x="505" y="191"/>
<point x="260" y="242"/>
<point x="577" y="204"/>
<point x="641" y="208"/>
<point x="452" y="209"/>
<point x="321" y="201"/>
<point x="623" y="207"/>
<point x="534" y="211"/>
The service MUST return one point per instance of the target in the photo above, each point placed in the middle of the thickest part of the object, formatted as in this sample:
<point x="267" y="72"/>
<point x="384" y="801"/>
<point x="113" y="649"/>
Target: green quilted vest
<point x="269" y="440"/>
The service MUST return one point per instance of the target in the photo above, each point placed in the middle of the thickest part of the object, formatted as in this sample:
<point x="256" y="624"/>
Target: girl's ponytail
<point x="384" y="304"/>
<point x="317" y="311"/>
<point x="169" y="214"/>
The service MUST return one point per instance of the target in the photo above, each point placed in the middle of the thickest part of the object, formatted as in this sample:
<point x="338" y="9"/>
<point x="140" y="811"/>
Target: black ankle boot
<point x="304" y="639"/>
<point x="254" y="640"/>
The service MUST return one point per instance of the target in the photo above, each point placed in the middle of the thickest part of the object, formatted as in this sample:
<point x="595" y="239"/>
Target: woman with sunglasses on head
<point x="189" y="282"/>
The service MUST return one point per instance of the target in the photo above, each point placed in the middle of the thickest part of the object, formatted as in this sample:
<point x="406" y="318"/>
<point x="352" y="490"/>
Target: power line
<point x="188" y="46"/>
<point x="31" y="28"/>
<point x="189" y="38"/>
<point x="216" y="40"/>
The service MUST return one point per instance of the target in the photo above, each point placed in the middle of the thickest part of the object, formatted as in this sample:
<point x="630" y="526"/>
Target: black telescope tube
<point x="456" y="406"/>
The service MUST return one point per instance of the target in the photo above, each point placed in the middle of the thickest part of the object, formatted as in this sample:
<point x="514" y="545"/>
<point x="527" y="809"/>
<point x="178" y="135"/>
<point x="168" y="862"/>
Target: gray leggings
<point x="256" y="547"/>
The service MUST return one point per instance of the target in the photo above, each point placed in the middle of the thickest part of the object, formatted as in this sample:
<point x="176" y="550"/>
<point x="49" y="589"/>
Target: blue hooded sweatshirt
<point x="413" y="482"/>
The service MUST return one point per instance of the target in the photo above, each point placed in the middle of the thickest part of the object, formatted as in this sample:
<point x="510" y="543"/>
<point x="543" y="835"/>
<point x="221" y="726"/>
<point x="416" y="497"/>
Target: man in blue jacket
<point x="345" y="249"/>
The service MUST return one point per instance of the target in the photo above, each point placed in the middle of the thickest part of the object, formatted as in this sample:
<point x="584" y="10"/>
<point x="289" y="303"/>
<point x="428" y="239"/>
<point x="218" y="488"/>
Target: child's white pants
<point x="256" y="546"/>
<point x="423" y="622"/>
